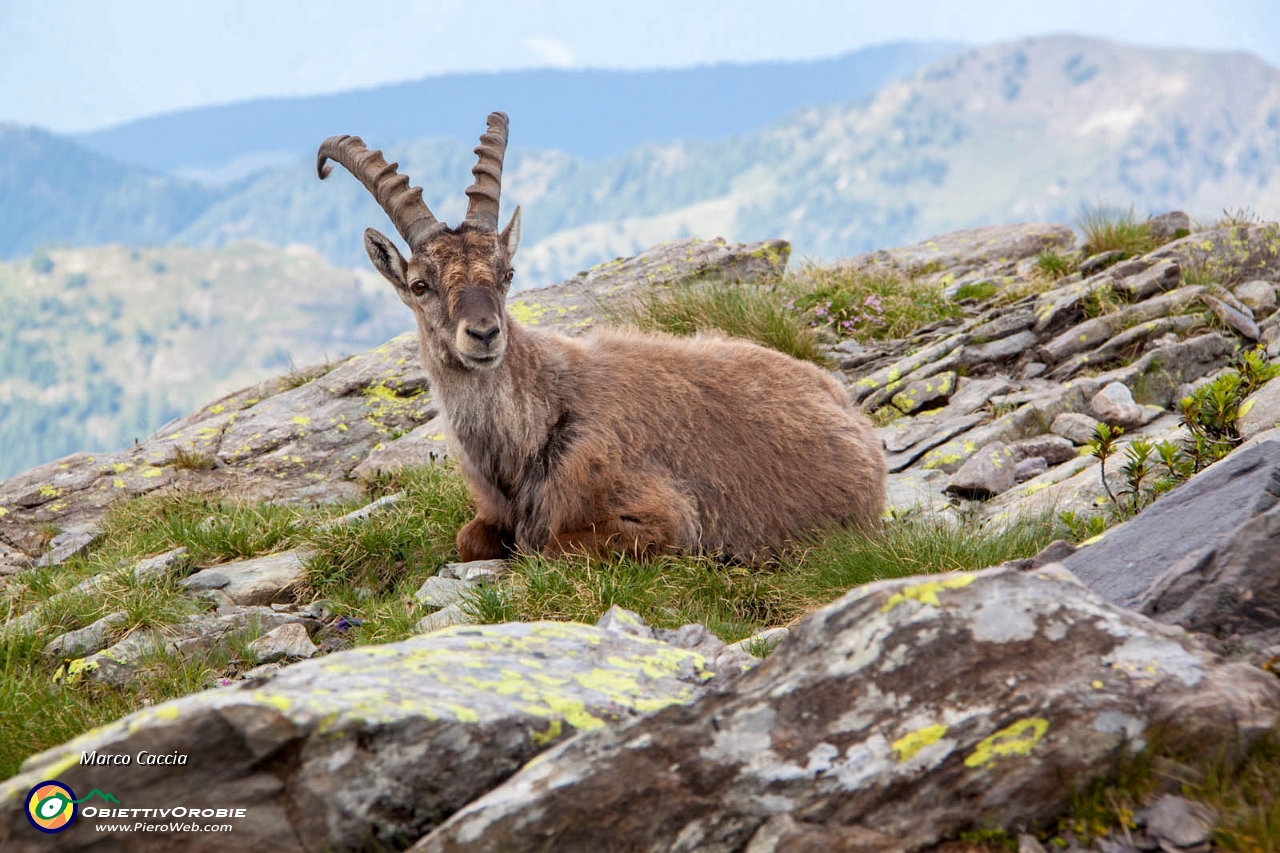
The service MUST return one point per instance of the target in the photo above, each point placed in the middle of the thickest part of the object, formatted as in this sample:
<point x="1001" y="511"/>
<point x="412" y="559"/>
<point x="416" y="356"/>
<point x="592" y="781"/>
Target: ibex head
<point x="456" y="279"/>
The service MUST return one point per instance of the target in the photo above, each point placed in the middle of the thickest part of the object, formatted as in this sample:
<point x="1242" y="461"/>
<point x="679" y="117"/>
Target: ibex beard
<point x="615" y="441"/>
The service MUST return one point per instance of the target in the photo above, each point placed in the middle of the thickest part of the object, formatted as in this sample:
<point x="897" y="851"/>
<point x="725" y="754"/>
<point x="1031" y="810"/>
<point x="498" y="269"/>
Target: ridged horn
<point x="403" y="203"/>
<point x="483" y="195"/>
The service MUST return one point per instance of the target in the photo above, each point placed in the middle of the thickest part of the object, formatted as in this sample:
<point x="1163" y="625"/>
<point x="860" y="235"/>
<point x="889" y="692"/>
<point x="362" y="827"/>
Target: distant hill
<point x="1034" y="129"/>
<point x="55" y="191"/>
<point x="102" y="346"/>
<point x="588" y="113"/>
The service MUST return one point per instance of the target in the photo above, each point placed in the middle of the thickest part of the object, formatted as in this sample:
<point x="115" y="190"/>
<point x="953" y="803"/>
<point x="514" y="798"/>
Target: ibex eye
<point x="418" y="288"/>
<point x="510" y="275"/>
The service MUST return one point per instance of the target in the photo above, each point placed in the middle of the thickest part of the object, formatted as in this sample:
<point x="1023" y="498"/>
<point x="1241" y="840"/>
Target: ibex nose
<point x="485" y="336"/>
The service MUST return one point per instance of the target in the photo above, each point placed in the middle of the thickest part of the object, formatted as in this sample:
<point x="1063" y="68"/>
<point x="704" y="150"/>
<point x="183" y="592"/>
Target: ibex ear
<point x="510" y="235"/>
<point x="386" y="258"/>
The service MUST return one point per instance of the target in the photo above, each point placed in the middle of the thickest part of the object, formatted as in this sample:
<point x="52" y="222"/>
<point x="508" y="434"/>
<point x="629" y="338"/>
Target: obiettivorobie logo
<point x="51" y="805"/>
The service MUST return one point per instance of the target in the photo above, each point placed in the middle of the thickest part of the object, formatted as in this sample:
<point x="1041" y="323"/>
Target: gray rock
<point x="1169" y="226"/>
<point x="1074" y="427"/>
<point x="998" y="351"/>
<point x="1258" y="295"/>
<point x="1178" y="824"/>
<point x="1163" y="331"/>
<point x="905" y="708"/>
<point x="475" y="571"/>
<point x="988" y="472"/>
<point x="116" y="665"/>
<point x="1186" y="527"/>
<point x="925" y="393"/>
<point x="1161" y="371"/>
<point x="161" y="566"/>
<point x="1025" y="422"/>
<point x="1114" y="404"/>
<point x="421" y="445"/>
<point x="288" y="641"/>
<point x="1031" y="466"/>
<point x="619" y="620"/>
<point x="923" y="433"/>
<point x="364" y="748"/>
<point x="889" y="379"/>
<point x="1054" y="449"/>
<point x="1147" y="282"/>
<point x="263" y="671"/>
<point x="1100" y="261"/>
<point x="1234" y="318"/>
<point x="445" y="617"/>
<point x="66" y="545"/>
<point x="383" y="503"/>
<point x="263" y="580"/>
<point x="87" y="640"/>
<point x="1260" y="411"/>
<point x="441" y="592"/>
<point x="205" y="579"/>
<point x="768" y="638"/>
<point x="973" y="394"/>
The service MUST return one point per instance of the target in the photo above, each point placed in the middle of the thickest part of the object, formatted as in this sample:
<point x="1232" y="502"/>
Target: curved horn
<point x="483" y="195"/>
<point x="403" y="203"/>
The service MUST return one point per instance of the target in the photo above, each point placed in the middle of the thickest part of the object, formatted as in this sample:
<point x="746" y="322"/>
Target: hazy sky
<point x="81" y="64"/>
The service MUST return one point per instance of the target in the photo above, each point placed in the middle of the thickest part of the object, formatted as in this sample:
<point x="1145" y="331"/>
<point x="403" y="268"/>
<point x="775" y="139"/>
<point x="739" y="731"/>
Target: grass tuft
<point x="755" y="313"/>
<point x="868" y="304"/>
<point x="1107" y="230"/>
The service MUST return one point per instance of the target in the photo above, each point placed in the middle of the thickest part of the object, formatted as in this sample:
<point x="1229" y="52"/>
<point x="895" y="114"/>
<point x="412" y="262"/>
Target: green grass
<point x="735" y="602"/>
<point x="1053" y="266"/>
<point x="1241" y="786"/>
<point x="368" y="570"/>
<point x="793" y="314"/>
<point x="979" y="290"/>
<point x="1107" y="230"/>
<point x="869" y="304"/>
<point x="759" y="314"/>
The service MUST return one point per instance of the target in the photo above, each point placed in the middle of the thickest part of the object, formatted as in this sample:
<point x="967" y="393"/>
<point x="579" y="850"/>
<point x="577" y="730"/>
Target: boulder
<point x="1054" y="449"/>
<point x="87" y="640"/>
<point x="1206" y="555"/>
<point x="1115" y="405"/>
<point x="441" y="592"/>
<point x="987" y="473"/>
<point x="925" y="393"/>
<point x="367" y="748"/>
<point x="1169" y="226"/>
<point x="445" y="617"/>
<point x="902" y="714"/>
<point x="288" y="641"/>
<point x="66" y="545"/>
<point x="261" y="580"/>
<point x="1260" y="411"/>
<point x="1029" y="467"/>
<point x="1076" y="427"/>
<point x="1258" y="295"/>
<point x="1238" y="320"/>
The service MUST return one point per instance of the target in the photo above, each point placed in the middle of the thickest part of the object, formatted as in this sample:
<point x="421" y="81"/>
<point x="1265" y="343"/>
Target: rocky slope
<point x="893" y="719"/>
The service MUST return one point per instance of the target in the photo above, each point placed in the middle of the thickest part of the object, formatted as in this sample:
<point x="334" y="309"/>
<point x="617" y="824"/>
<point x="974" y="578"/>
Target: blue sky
<point x="77" y="65"/>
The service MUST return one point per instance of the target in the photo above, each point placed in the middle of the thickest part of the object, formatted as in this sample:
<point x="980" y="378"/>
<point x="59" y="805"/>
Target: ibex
<point x="616" y="441"/>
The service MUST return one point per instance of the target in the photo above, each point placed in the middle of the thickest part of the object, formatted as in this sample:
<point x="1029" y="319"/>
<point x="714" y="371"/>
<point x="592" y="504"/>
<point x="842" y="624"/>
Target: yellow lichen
<point x="927" y="592"/>
<point x="1017" y="739"/>
<point x="909" y="744"/>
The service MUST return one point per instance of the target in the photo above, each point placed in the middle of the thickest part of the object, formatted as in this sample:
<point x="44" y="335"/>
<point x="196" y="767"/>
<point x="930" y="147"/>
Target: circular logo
<point x="51" y="806"/>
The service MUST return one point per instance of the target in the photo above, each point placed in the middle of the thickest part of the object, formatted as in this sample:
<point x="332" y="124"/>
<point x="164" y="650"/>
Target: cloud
<point x="551" y="51"/>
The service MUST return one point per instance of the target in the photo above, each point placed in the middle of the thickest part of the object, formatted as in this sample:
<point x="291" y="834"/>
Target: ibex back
<point x="641" y="444"/>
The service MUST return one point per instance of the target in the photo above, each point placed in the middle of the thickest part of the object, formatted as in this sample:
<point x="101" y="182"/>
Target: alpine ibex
<point x="615" y="441"/>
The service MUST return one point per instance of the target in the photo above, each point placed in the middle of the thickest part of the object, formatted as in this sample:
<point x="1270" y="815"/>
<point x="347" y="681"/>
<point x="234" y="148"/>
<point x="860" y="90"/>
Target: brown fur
<point x="622" y="442"/>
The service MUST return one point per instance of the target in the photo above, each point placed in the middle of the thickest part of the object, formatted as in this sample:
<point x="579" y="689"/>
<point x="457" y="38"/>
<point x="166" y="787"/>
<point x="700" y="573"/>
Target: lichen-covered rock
<point x="369" y="747"/>
<point x="989" y="251"/>
<point x="925" y="393"/>
<point x="912" y="709"/>
<point x="987" y="473"/>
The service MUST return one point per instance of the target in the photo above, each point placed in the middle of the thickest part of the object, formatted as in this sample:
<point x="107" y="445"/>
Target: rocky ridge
<point x="879" y="721"/>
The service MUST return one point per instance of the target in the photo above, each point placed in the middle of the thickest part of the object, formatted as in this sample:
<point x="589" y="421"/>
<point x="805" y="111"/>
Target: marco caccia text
<point x="142" y="758"/>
